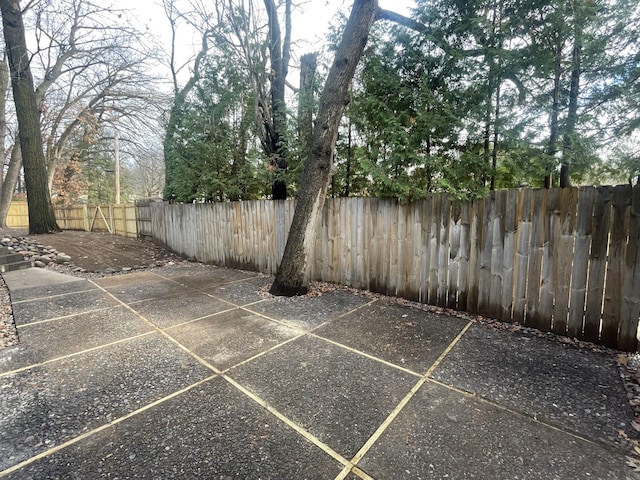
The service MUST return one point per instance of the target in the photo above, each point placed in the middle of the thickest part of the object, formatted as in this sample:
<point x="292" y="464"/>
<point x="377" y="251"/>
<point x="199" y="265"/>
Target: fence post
<point x="85" y="218"/>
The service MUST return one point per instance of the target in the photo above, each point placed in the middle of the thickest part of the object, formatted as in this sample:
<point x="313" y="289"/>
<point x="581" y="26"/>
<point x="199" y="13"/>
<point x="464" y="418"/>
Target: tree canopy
<point x="458" y="97"/>
<point x="461" y="97"/>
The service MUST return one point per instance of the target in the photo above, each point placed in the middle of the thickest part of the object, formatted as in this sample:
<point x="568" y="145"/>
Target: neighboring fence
<point x="18" y="215"/>
<point x="143" y="214"/>
<point x="561" y="260"/>
<point x="117" y="219"/>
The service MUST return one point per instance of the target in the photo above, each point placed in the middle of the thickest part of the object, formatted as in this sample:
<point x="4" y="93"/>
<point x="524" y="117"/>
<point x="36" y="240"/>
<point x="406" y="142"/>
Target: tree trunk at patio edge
<point x="291" y="278"/>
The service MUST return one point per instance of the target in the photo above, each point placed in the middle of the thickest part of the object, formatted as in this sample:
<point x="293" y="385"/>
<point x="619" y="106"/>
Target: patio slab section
<point x="36" y="278"/>
<point x="405" y="336"/>
<point x="46" y="308"/>
<point x="242" y="292"/>
<point x="45" y="341"/>
<point x="556" y="383"/>
<point x="176" y="309"/>
<point x="229" y="338"/>
<point x="211" y="431"/>
<point x="32" y="284"/>
<point x="445" y="434"/>
<point x="128" y="279"/>
<point x="337" y="395"/>
<point x="140" y="286"/>
<point x="204" y="277"/>
<point x="45" y="406"/>
<point x="309" y="312"/>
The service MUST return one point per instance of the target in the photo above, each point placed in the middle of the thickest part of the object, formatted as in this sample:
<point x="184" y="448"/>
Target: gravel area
<point x="8" y="332"/>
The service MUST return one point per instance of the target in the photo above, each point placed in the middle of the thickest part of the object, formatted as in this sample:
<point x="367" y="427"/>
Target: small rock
<point x="126" y="269"/>
<point x="62" y="258"/>
<point x="39" y="264"/>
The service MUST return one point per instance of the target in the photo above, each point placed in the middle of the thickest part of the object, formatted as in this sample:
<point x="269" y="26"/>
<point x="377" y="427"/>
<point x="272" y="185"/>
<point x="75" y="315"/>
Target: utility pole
<point x="117" y="168"/>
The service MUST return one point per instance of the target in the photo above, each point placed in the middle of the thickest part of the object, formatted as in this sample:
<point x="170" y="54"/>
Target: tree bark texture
<point x="4" y="86"/>
<point x="554" y="128"/>
<point x="291" y="277"/>
<point x="41" y="216"/>
<point x="308" y="67"/>
<point x="279" y="52"/>
<point x="9" y="182"/>
<point x="572" y="114"/>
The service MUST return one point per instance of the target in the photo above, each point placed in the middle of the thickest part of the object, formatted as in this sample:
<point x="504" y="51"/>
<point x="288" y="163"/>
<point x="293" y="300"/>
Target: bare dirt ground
<point x="100" y="252"/>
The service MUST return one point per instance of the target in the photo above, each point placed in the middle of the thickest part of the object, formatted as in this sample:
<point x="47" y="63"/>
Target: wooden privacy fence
<point x="560" y="260"/>
<point x="117" y="219"/>
<point x="18" y="215"/>
<point x="143" y="218"/>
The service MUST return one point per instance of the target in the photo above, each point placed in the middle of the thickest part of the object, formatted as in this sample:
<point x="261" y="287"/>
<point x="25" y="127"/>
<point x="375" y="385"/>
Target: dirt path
<point x="97" y="252"/>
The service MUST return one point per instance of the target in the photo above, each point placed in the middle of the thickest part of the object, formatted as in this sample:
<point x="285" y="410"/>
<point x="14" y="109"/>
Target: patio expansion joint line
<point x="258" y="355"/>
<point x="366" y="355"/>
<point x="358" y="472"/>
<point x="284" y="322"/>
<point x="64" y="317"/>
<point x="52" y="296"/>
<point x="240" y="280"/>
<point x="403" y="403"/>
<point x="96" y="430"/>
<point x="353" y="310"/>
<point x="303" y="333"/>
<point x="290" y="423"/>
<point x="524" y="415"/>
<point x="171" y="295"/>
<point x="162" y="332"/>
<point x="289" y="324"/>
<point x="201" y="318"/>
<point x="75" y="354"/>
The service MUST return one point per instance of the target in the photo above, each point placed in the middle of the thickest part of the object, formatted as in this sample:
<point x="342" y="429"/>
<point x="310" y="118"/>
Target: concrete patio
<point x="194" y="372"/>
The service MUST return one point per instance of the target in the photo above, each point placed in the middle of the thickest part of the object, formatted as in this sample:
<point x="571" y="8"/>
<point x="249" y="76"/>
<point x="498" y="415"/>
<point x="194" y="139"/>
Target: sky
<point x="310" y="21"/>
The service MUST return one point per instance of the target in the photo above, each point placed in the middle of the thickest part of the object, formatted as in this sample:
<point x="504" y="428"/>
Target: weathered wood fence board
<point x="630" y="309"/>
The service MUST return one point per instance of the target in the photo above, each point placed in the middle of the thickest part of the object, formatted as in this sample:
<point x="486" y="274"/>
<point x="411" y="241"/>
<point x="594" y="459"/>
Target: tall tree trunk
<point x="308" y="66"/>
<point x="41" y="216"/>
<point x="572" y="114"/>
<point x="496" y="138"/>
<point x="486" y="150"/>
<point x="347" y="177"/>
<point x="497" y="34"/>
<point x="10" y="181"/>
<point x="554" y="127"/>
<point x="291" y="278"/>
<point x="4" y="86"/>
<point x="279" y="52"/>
